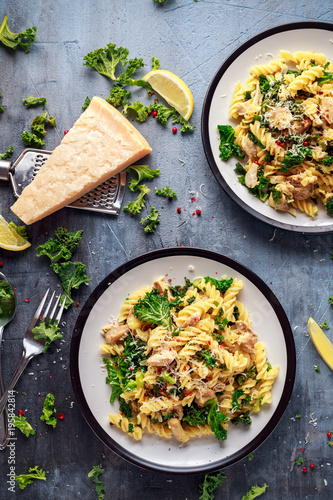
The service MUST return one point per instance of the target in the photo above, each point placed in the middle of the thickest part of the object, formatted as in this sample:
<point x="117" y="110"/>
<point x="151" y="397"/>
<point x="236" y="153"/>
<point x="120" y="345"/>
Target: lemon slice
<point x="172" y="89"/>
<point x="321" y="342"/>
<point x="10" y="239"/>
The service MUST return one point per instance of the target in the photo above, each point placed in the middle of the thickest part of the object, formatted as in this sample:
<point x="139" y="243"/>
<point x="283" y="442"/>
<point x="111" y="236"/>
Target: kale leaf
<point x="49" y="410"/>
<point x="167" y="192"/>
<point x="155" y="308"/>
<point x="7" y="154"/>
<point x="21" y="423"/>
<point x="25" y="479"/>
<point x="143" y="172"/>
<point x="94" y="476"/>
<point x="195" y="415"/>
<point x="208" y="358"/>
<point x="255" y="492"/>
<point x="227" y="143"/>
<point x="61" y="246"/>
<point x="150" y="222"/>
<point x="245" y="419"/>
<point x="210" y="483"/>
<point x="72" y="275"/>
<point x="34" y="101"/>
<point x="47" y="332"/>
<point x="215" y="419"/>
<point x="12" y="40"/>
<point x="294" y="157"/>
<point x="221" y="285"/>
<point x="135" y="207"/>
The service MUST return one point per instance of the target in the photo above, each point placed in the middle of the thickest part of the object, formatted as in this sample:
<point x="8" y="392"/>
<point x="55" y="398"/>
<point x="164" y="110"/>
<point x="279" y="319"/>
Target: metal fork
<point x="31" y="347"/>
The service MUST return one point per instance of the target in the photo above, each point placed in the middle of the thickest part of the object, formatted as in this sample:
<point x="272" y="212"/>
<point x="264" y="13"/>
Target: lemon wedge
<point x="321" y="342"/>
<point x="172" y="89"/>
<point x="10" y="239"/>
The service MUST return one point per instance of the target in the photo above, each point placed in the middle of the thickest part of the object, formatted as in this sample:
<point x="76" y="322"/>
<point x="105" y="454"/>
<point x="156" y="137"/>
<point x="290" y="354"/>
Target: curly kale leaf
<point x="143" y="172"/>
<point x="7" y="154"/>
<point x="12" y="40"/>
<point x="227" y="143"/>
<point x="167" y="192"/>
<point x="25" y="479"/>
<point x="135" y="207"/>
<point x="38" y="124"/>
<point x="329" y="206"/>
<point x="21" y="423"/>
<point x="34" y="101"/>
<point x="140" y="110"/>
<point x="255" y="492"/>
<point x="61" y="246"/>
<point x="215" y="419"/>
<point x="221" y="285"/>
<point x="155" y="308"/>
<point x="47" y="332"/>
<point x="94" y="476"/>
<point x="150" y="222"/>
<point x="49" y="411"/>
<point x="86" y="103"/>
<point x="195" y="415"/>
<point x="72" y="275"/>
<point x="328" y="161"/>
<point x="208" y="358"/>
<point x="245" y="419"/>
<point x="32" y="140"/>
<point x="210" y="483"/>
<point x="106" y="60"/>
<point x="295" y="157"/>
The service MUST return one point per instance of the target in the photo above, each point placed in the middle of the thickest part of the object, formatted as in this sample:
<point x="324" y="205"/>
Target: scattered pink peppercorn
<point x="193" y="198"/>
<point x="329" y="434"/>
<point x="66" y="132"/>
<point x="150" y="112"/>
<point x="21" y="412"/>
<point x="156" y="99"/>
<point x="179" y="210"/>
<point x="256" y="162"/>
<point x="305" y="469"/>
<point x="61" y="416"/>
<point x="27" y="300"/>
<point x="193" y="213"/>
<point x="279" y="142"/>
<point x="305" y="143"/>
<point x="301" y="450"/>
<point x="312" y="466"/>
<point x="1" y="263"/>
<point x="198" y="211"/>
<point x="174" y="130"/>
<point x="155" y="113"/>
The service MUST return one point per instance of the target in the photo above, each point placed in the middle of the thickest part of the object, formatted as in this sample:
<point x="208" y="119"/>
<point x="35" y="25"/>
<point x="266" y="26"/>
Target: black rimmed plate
<point x="88" y="377"/>
<point x="261" y="49"/>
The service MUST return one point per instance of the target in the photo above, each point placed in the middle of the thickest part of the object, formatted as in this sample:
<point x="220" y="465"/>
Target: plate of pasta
<point x="267" y="126"/>
<point x="182" y="360"/>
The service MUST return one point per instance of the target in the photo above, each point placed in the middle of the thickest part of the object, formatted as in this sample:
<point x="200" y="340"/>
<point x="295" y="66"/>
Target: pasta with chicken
<point x="284" y="132"/>
<point x="198" y="368"/>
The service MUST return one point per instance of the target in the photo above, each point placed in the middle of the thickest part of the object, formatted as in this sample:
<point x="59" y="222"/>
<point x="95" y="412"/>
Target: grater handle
<point x="5" y="166"/>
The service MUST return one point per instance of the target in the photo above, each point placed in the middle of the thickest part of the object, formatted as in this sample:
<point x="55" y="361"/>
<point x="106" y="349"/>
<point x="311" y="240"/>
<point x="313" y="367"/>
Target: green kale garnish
<point x="167" y="192"/>
<point x="12" y="40"/>
<point x="329" y="206"/>
<point x="86" y="103"/>
<point x="34" y="473"/>
<point x="221" y="285"/>
<point x="256" y="140"/>
<point x="215" y="419"/>
<point x="163" y="112"/>
<point x="328" y="161"/>
<point x="34" y="101"/>
<point x="155" y="308"/>
<point x="264" y="84"/>
<point x="250" y="373"/>
<point x="38" y="124"/>
<point x="72" y="275"/>
<point x="119" y="97"/>
<point x="135" y="207"/>
<point x="179" y="291"/>
<point x="7" y="154"/>
<point x="327" y="77"/>
<point x="94" y="476"/>
<point x="150" y="222"/>
<point x="32" y="140"/>
<point x="49" y="410"/>
<point x="21" y="423"/>
<point x="239" y="169"/>
<point x="245" y="419"/>
<point x="208" y="358"/>
<point x="194" y="415"/>
<point x="227" y="143"/>
<point x="294" y="157"/>
<point x="143" y="172"/>
<point x="61" y="246"/>
<point x="210" y="483"/>
<point x="47" y="332"/>
<point x="324" y="325"/>
<point x="235" y="404"/>
<point x="299" y="461"/>
<point x="255" y="491"/>
<point x="317" y="368"/>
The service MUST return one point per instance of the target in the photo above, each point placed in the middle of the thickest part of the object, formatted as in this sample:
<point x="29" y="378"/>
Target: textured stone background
<point x="191" y="39"/>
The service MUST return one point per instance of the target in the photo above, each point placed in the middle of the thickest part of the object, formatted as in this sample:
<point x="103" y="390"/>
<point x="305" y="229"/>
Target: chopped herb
<point x="34" y="101"/>
<point x="251" y="456"/>
<point x="94" y="476"/>
<point x="86" y="103"/>
<point x="34" y="473"/>
<point x="330" y="443"/>
<point x="297" y="415"/>
<point x="227" y="145"/>
<point x="324" y="325"/>
<point x="299" y="461"/>
<point x="328" y="161"/>
<point x="329" y="206"/>
<point x="21" y="423"/>
<point x="317" y="368"/>
<point x="167" y="192"/>
<point x="255" y="491"/>
<point x="48" y="411"/>
<point x="150" y="222"/>
<point x="7" y="154"/>
<point x="210" y="483"/>
<point x="269" y="367"/>
<point x="221" y="285"/>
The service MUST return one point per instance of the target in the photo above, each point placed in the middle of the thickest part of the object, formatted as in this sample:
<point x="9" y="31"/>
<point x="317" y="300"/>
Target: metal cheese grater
<point x="106" y="198"/>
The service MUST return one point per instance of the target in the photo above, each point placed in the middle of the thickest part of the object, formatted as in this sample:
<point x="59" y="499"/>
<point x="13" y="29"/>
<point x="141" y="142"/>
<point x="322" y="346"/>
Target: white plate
<point x="259" y="50"/>
<point x="88" y="376"/>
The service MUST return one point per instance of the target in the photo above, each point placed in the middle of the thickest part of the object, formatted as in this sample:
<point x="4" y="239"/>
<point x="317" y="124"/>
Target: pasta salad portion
<point x="285" y="132"/>
<point x="183" y="361"/>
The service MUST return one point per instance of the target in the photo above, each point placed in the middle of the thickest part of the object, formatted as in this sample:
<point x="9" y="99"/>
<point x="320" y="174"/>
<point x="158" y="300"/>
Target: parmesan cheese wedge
<point x="101" y="143"/>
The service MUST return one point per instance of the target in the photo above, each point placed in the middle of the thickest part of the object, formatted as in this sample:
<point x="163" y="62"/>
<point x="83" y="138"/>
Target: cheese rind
<point x="101" y="143"/>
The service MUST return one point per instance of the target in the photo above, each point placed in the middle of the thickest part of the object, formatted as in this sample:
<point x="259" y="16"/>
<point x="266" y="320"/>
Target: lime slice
<point x="10" y="239"/>
<point x="321" y="342"/>
<point x="173" y="90"/>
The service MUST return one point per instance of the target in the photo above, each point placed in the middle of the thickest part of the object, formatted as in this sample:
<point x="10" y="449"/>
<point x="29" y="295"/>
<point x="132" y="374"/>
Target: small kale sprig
<point x="94" y="476"/>
<point x="12" y="40"/>
<point x="49" y="410"/>
<point x="227" y="143"/>
<point x="25" y="479"/>
<point x="7" y="154"/>
<point x="150" y="222"/>
<point x="21" y="423"/>
<point x="47" y="332"/>
<point x="155" y="308"/>
<point x="210" y="483"/>
<point x="215" y="419"/>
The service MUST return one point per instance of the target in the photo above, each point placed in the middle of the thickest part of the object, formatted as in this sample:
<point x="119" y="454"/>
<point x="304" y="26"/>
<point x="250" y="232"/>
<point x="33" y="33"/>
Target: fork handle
<point x="20" y="368"/>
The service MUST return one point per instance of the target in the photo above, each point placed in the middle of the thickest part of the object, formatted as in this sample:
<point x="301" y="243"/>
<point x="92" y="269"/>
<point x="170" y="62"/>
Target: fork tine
<point x="54" y="308"/>
<point x="61" y="310"/>
<point x="48" y="306"/>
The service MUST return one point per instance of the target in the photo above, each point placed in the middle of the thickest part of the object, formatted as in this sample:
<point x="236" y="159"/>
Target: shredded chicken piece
<point x="247" y="338"/>
<point x="114" y="332"/>
<point x="326" y="108"/>
<point x="177" y="430"/>
<point x="299" y="127"/>
<point x="277" y="179"/>
<point x="249" y="148"/>
<point x="256" y="96"/>
<point x="164" y="357"/>
<point x="251" y="179"/>
<point x="192" y="320"/>
<point x="283" y="203"/>
<point x="161" y="287"/>
<point x="280" y="118"/>
<point x="304" y="186"/>
<point x="175" y="409"/>
<point x="219" y="387"/>
<point x="204" y="394"/>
